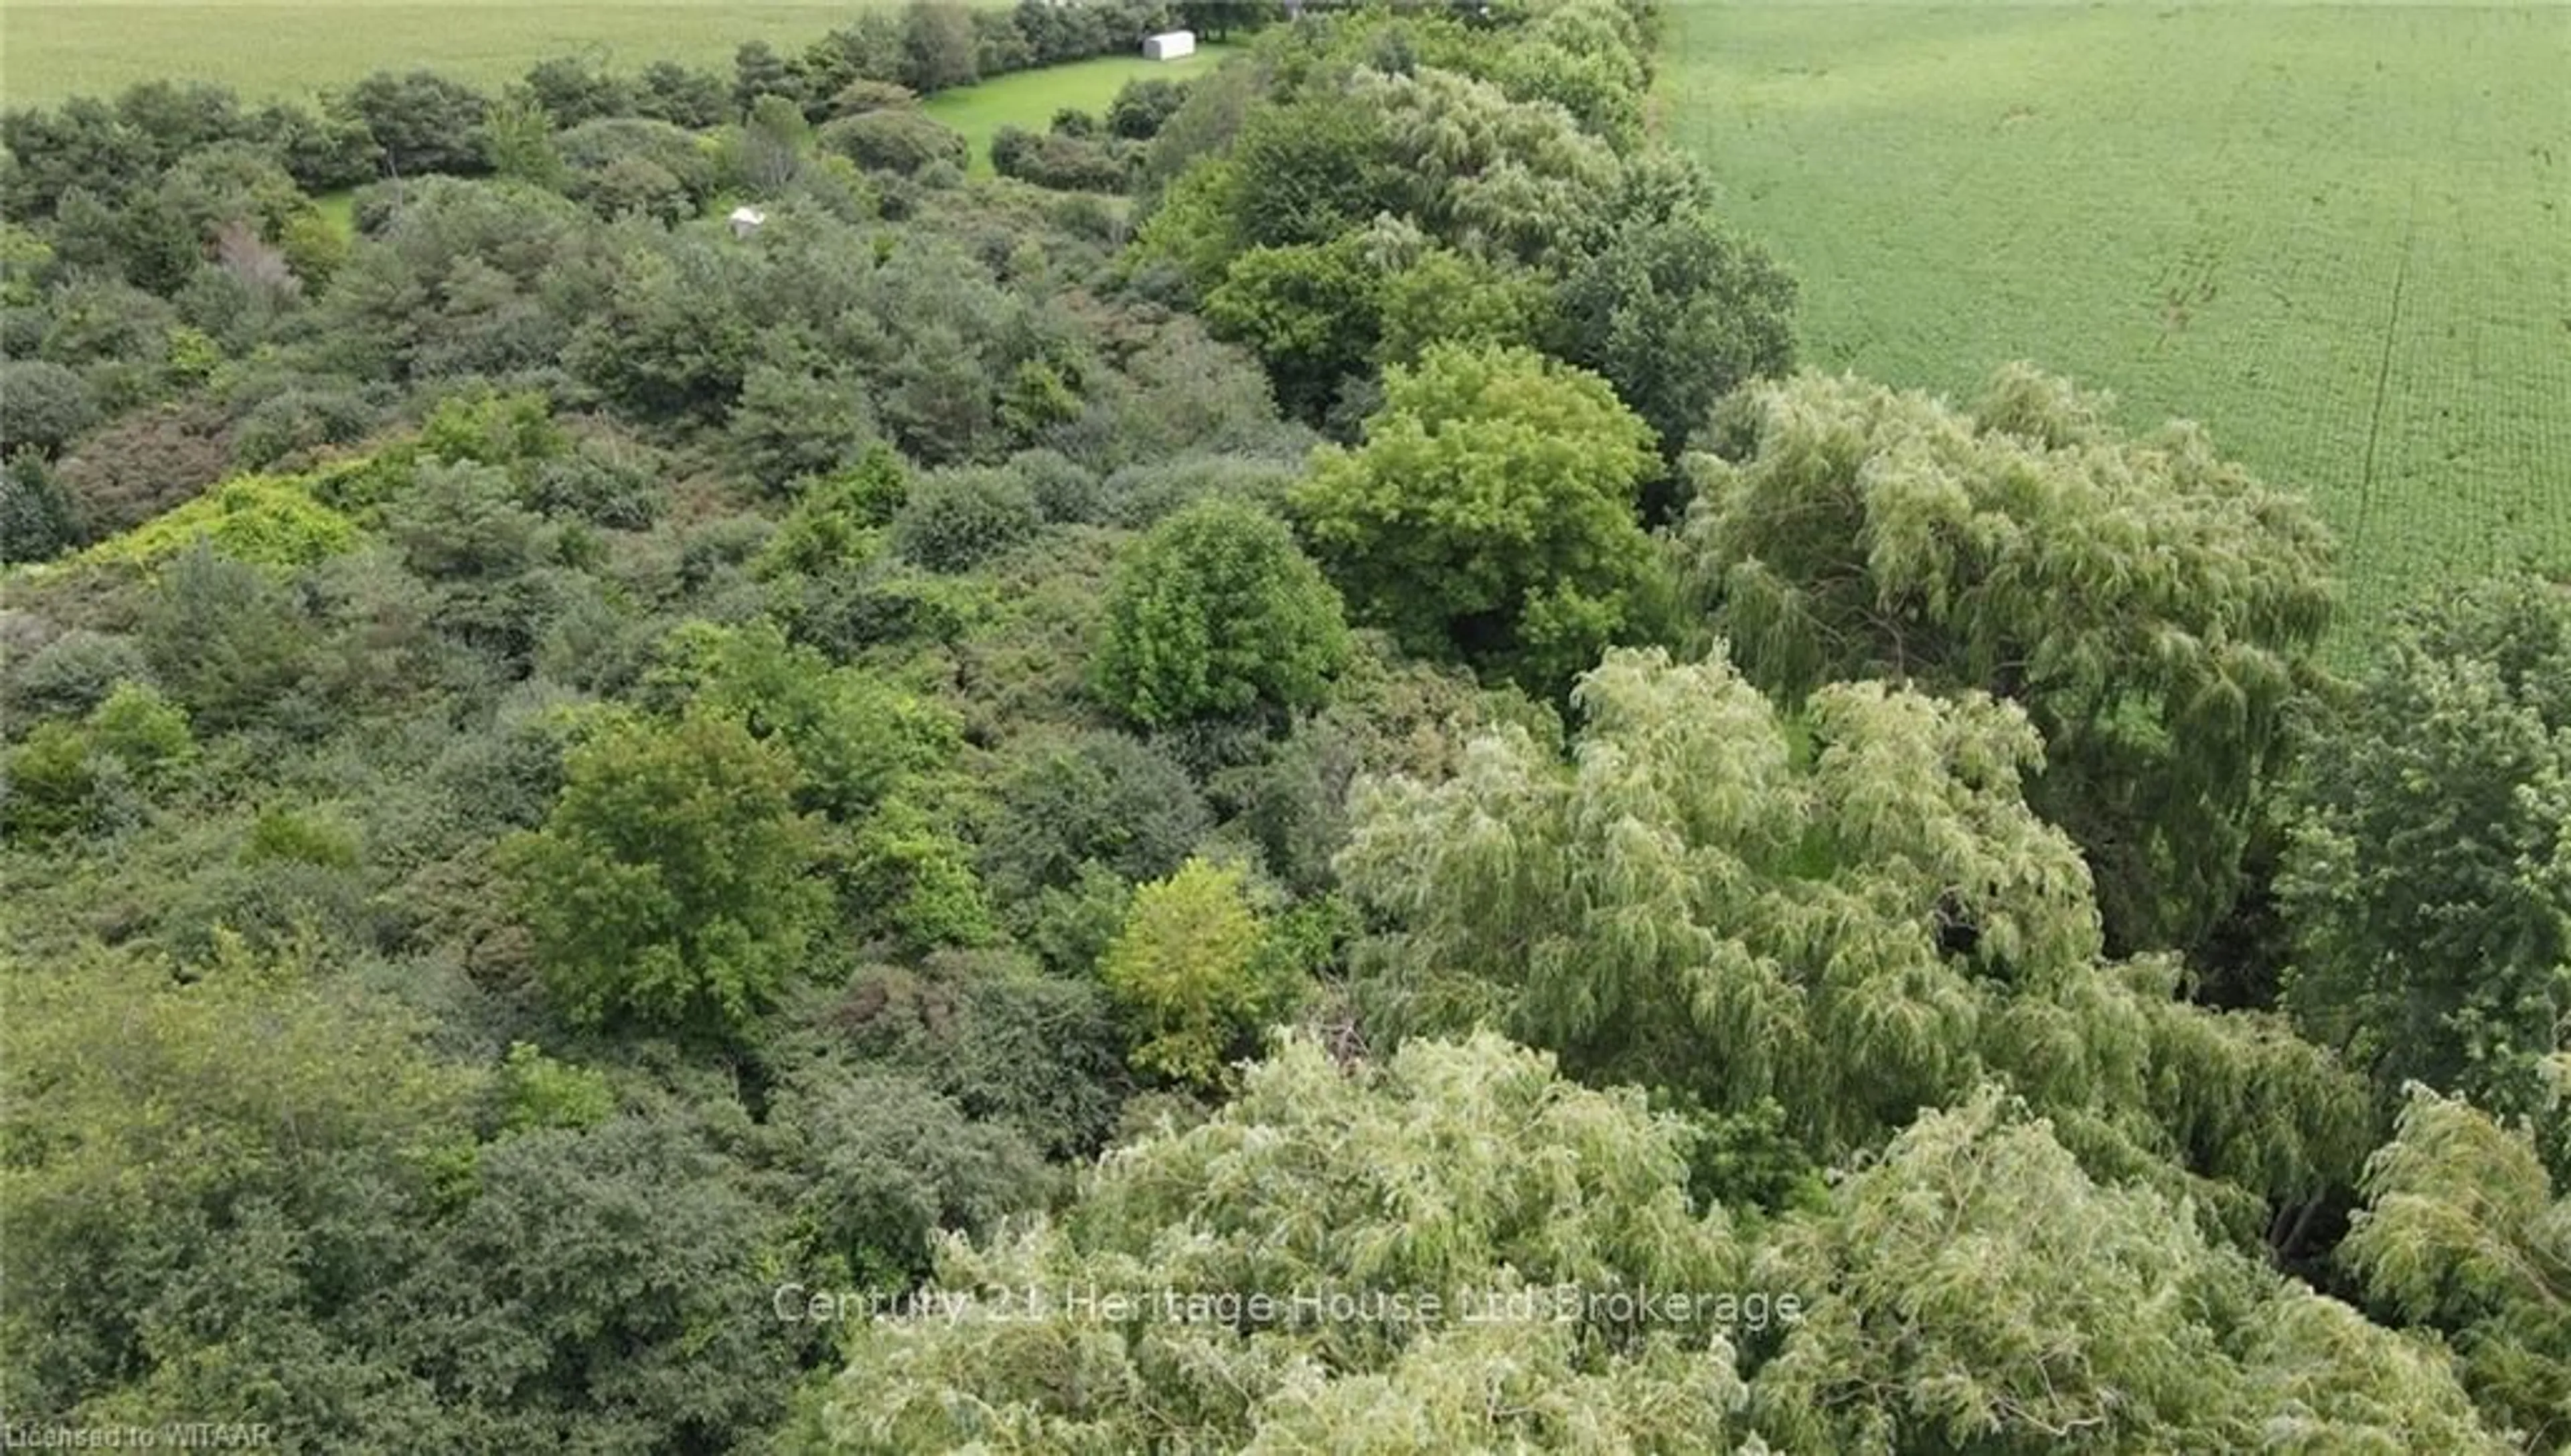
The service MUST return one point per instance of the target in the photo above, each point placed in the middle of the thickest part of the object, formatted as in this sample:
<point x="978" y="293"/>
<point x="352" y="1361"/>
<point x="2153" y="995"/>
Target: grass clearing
<point x="51" y="50"/>
<point x="2336" y="235"/>
<point x="1029" y="99"/>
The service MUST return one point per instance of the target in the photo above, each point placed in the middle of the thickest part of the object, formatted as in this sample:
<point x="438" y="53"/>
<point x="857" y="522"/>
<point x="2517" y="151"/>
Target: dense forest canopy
<point x="1272" y="784"/>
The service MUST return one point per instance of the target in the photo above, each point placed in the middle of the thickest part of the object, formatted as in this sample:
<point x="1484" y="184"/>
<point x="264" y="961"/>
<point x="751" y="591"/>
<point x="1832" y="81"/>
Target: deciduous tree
<point x="1489" y="514"/>
<point x="1218" y="611"/>
<point x="2155" y="609"/>
<point x="671" y="882"/>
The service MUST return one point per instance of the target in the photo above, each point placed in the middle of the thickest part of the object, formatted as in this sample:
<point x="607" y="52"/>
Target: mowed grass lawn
<point x="1030" y="98"/>
<point x="54" y="49"/>
<point x="2338" y="235"/>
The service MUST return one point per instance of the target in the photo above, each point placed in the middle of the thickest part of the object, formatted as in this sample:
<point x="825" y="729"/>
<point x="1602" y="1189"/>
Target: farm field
<point x="1030" y="98"/>
<point x="54" y="49"/>
<point x="2340" y="237"/>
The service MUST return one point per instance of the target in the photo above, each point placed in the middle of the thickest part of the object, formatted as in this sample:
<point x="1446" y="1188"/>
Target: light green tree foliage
<point x="1852" y="913"/>
<point x="1216" y="613"/>
<point x="2464" y="1232"/>
<point x="2427" y="880"/>
<point x="836" y="523"/>
<point x="1499" y="179"/>
<point x="2154" y="608"/>
<point x="1490" y="515"/>
<point x="853" y="736"/>
<point x="1975" y="1291"/>
<point x="1590" y="57"/>
<point x="671" y="882"/>
<point x="269" y="521"/>
<point x="145" y="730"/>
<point x="1447" y="1167"/>
<point x="1187" y="966"/>
<point x="66" y="776"/>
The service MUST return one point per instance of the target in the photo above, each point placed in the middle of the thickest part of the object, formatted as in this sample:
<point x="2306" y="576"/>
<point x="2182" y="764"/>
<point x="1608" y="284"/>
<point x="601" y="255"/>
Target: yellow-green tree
<point x="1490" y="515"/>
<point x="1190" y="964"/>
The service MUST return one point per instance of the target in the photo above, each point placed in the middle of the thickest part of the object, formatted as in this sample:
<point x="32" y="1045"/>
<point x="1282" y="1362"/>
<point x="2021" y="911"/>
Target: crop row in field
<point x="54" y="49"/>
<point x="2335" y="235"/>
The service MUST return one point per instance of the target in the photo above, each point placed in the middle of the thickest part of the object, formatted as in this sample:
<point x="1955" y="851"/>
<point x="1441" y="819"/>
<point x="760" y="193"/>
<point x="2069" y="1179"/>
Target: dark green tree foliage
<point x="759" y="71"/>
<point x="670" y="92"/>
<point x="1677" y="314"/>
<point x="1311" y="314"/>
<point x="794" y="423"/>
<point x="46" y="406"/>
<point x="993" y="1033"/>
<point x="452" y="283"/>
<point x="889" y="1162"/>
<point x="896" y="139"/>
<point x="609" y="1284"/>
<point x="939" y="46"/>
<point x="954" y="520"/>
<point x="1062" y="161"/>
<point x="672" y="884"/>
<point x="1490" y="515"/>
<point x="571" y="89"/>
<point x="671" y="339"/>
<point x="231" y="644"/>
<point x="2154" y="608"/>
<point x="460" y="526"/>
<point x="1216" y="613"/>
<point x="209" y="1184"/>
<point x="1144" y="105"/>
<point x="2427" y="881"/>
<point x="1103" y="798"/>
<point x="37" y="521"/>
<point x="423" y="121"/>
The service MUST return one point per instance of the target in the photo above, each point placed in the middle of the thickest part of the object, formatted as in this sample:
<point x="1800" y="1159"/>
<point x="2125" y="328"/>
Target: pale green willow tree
<point x="2154" y="608"/>
<point x="1974" y="1291"/>
<point x="1451" y="1167"/>
<point x="1852" y="914"/>
<point x="2464" y="1234"/>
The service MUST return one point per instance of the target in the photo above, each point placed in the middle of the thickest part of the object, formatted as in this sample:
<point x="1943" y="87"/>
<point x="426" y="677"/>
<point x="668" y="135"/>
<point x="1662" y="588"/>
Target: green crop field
<point x="2340" y="236"/>
<point x="52" y="49"/>
<point x="1030" y="98"/>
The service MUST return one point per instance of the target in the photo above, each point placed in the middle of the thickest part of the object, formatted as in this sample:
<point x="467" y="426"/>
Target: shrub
<point x="1217" y="611"/>
<point x="1144" y="106"/>
<point x="956" y="519"/>
<point x="69" y="675"/>
<point x="42" y="406"/>
<point x="1066" y="161"/>
<point x="902" y="141"/>
<point x="865" y="95"/>
<point x="264" y="520"/>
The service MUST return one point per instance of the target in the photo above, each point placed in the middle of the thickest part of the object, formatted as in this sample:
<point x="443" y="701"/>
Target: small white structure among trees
<point x="1170" y="45"/>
